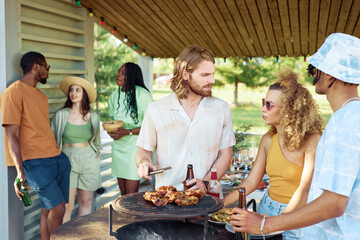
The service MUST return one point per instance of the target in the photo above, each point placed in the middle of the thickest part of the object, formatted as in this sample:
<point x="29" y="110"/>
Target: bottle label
<point x="214" y="194"/>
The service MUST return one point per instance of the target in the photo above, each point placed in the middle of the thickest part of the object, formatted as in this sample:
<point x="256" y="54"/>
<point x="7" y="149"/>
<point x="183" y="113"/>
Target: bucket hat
<point x="339" y="56"/>
<point x="66" y="83"/>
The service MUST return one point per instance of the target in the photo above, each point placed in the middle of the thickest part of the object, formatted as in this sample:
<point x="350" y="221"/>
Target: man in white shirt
<point x="187" y="127"/>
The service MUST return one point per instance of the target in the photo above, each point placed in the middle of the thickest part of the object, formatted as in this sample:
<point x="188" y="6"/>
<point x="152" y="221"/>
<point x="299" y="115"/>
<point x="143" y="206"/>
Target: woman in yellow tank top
<point x="287" y="151"/>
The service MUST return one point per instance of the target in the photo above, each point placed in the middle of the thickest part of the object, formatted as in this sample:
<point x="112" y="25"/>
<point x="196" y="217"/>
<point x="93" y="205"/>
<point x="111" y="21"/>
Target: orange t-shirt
<point x="28" y="108"/>
<point x="284" y="175"/>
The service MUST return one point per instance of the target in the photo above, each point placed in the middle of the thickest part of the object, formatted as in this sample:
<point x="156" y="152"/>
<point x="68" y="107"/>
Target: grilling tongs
<point x="160" y="170"/>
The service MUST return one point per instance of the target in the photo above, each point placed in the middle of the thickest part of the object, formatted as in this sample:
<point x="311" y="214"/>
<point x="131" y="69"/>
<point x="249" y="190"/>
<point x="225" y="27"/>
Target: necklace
<point x="350" y="99"/>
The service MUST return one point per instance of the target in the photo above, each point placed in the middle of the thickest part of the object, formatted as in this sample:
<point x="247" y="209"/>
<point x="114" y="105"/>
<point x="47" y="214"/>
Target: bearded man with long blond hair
<point x="187" y="127"/>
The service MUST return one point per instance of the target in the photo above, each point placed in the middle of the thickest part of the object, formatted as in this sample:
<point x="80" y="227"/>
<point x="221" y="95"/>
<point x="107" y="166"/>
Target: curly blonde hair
<point x="300" y="113"/>
<point x="188" y="60"/>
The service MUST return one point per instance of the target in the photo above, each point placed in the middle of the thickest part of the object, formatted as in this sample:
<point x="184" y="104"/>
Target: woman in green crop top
<point x="76" y="130"/>
<point x="287" y="151"/>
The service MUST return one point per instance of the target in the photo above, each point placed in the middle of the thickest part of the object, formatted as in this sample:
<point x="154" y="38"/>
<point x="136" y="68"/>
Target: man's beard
<point x="197" y="89"/>
<point x="43" y="80"/>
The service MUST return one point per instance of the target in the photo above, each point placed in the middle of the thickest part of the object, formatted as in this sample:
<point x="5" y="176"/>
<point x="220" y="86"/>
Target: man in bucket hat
<point x="30" y="144"/>
<point x="333" y="207"/>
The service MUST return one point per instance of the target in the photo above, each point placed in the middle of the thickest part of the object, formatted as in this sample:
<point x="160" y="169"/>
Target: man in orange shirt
<point x="30" y="144"/>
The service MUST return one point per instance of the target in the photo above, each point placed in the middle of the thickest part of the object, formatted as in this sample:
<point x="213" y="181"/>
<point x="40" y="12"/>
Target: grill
<point x="164" y="230"/>
<point x="135" y="204"/>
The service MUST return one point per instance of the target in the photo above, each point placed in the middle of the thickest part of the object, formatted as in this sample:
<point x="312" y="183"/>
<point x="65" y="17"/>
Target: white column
<point x="11" y="210"/>
<point x="146" y="66"/>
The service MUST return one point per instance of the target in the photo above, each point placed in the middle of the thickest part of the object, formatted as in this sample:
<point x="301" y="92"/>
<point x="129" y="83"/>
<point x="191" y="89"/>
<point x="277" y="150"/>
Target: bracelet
<point x="262" y="225"/>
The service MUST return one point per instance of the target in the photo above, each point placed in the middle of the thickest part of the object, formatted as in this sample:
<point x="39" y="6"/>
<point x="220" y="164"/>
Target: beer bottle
<point x="25" y="197"/>
<point x="214" y="187"/>
<point x="189" y="176"/>
<point x="242" y="205"/>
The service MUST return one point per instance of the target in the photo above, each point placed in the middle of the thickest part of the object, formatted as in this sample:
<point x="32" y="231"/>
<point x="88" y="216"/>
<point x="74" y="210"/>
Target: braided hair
<point x="133" y="77"/>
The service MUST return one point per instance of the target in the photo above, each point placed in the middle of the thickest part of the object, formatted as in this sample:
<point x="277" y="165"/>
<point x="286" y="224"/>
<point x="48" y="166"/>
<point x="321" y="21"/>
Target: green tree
<point x="109" y="55"/>
<point x="251" y="72"/>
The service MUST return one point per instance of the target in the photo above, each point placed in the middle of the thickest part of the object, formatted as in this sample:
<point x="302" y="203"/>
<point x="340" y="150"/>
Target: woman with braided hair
<point x="287" y="151"/>
<point x="128" y="103"/>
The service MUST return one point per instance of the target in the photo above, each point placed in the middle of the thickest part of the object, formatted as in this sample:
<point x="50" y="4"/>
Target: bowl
<point x="111" y="126"/>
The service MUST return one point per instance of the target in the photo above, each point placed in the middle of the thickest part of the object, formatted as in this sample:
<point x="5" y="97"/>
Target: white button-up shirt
<point x="179" y="141"/>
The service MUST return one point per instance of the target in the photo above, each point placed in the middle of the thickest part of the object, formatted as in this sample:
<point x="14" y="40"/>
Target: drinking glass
<point x="246" y="162"/>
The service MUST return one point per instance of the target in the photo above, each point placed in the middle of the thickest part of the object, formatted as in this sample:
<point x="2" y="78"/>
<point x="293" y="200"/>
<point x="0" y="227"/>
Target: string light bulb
<point x="143" y="53"/>
<point x="277" y="59"/>
<point x="224" y="59"/>
<point x="152" y="58"/>
<point x="114" y="30"/>
<point x="78" y="2"/>
<point x="125" y="39"/>
<point x="102" y="21"/>
<point x="304" y="58"/>
<point x="135" y="46"/>
<point x="91" y="13"/>
<point x="251" y="59"/>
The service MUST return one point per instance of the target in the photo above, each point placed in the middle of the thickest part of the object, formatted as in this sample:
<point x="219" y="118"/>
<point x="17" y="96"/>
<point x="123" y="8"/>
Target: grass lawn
<point x="249" y="110"/>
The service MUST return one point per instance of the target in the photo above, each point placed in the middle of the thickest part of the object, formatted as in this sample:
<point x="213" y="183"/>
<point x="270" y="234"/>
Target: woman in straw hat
<point x="77" y="133"/>
<point x="128" y="103"/>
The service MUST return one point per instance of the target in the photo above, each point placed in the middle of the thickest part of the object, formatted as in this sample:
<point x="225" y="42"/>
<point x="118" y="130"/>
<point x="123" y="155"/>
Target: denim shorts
<point x="49" y="178"/>
<point x="271" y="207"/>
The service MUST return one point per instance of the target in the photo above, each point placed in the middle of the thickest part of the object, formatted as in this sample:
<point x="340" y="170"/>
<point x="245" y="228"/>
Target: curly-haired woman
<point x="287" y="151"/>
<point x="128" y="103"/>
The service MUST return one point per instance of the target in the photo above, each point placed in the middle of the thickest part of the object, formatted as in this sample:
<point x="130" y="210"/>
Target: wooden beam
<point x="353" y="17"/>
<point x="229" y="21"/>
<point x="176" y="27"/>
<point x="333" y="19"/>
<point x="343" y="16"/>
<point x="323" y="21"/>
<point x="276" y="25"/>
<point x="197" y="25"/>
<point x="231" y="5"/>
<point x="304" y="26"/>
<point x="112" y="18"/>
<point x="234" y="48"/>
<point x="131" y="18"/>
<point x="201" y="12"/>
<point x="158" y="25"/>
<point x="285" y="24"/>
<point x="245" y="15"/>
<point x="178" y="16"/>
<point x="313" y="25"/>
<point x="256" y="20"/>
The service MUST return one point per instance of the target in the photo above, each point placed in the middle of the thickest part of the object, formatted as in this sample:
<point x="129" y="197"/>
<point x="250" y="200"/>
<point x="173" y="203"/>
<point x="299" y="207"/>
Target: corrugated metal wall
<point x="63" y="33"/>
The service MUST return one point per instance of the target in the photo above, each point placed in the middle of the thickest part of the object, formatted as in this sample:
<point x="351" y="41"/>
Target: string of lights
<point x="114" y="31"/>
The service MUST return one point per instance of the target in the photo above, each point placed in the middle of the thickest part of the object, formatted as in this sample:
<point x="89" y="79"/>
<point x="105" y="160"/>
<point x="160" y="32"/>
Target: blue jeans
<point x="271" y="207"/>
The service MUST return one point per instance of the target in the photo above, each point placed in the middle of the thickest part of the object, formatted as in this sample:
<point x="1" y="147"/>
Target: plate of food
<point x="221" y="217"/>
<point x="226" y="182"/>
<point x="230" y="228"/>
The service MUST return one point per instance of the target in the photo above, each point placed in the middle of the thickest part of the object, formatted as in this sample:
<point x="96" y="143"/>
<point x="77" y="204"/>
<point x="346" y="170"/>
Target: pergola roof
<point x="244" y="28"/>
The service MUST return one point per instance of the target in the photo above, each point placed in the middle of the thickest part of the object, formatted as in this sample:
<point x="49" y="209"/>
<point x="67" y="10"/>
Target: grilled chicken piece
<point x="148" y="196"/>
<point x="172" y="196"/>
<point x="160" y="201"/>
<point x="196" y="193"/>
<point x="187" y="201"/>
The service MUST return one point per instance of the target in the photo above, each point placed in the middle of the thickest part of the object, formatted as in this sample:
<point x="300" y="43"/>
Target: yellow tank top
<point x="284" y="175"/>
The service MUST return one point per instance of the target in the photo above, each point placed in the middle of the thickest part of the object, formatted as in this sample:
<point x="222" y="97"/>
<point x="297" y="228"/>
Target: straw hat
<point x="66" y="83"/>
<point x="339" y="56"/>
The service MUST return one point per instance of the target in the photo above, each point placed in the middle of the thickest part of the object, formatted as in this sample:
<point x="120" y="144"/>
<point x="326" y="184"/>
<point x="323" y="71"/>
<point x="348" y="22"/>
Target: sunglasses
<point x="269" y="105"/>
<point x="46" y="66"/>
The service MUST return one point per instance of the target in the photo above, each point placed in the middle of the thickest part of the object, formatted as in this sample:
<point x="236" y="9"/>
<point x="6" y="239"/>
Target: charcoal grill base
<point x="165" y="230"/>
